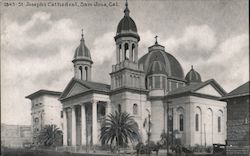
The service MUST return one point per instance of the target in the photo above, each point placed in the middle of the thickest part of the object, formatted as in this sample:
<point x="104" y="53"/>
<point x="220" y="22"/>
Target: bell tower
<point x="82" y="61"/>
<point x="128" y="93"/>
<point x="126" y="73"/>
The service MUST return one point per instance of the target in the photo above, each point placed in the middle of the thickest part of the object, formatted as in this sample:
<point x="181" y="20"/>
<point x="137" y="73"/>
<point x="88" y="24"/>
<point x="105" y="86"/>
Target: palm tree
<point x="119" y="127"/>
<point x="50" y="135"/>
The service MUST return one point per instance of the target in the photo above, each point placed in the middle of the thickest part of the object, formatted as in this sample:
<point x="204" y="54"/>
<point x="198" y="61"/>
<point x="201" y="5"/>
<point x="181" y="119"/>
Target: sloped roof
<point x="92" y="86"/>
<point x="43" y="92"/>
<point x="242" y="90"/>
<point x="194" y="87"/>
<point x="95" y="85"/>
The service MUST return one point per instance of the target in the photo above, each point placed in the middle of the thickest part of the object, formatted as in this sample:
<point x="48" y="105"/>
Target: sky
<point x="38" y="43"/>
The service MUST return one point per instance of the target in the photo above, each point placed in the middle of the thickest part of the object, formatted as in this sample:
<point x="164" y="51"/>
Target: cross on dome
<point x="156" y="39"/>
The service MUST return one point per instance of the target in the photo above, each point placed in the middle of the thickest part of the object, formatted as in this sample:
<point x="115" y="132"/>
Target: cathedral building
<point x="152" y="87"/>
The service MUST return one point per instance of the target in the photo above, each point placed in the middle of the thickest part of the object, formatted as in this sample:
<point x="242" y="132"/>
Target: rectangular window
<point x="157" y="82"/>
<point x="61" y="114"/>
<point x="219" y="124"/>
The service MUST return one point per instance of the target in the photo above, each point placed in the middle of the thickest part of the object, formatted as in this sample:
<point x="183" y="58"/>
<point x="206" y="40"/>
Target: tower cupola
<point x="82" y="52"/>
<point x="82" y="61"/>
<point x="126" y="26"/>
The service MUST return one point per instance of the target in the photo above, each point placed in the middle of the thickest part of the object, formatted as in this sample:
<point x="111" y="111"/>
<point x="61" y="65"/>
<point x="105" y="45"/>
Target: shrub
<point x="209" y="149"/>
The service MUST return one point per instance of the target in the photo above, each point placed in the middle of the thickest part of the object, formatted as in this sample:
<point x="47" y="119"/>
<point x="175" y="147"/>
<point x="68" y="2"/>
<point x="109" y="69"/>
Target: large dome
<point x="157" y="67"/>
<point x="173" y="67"/>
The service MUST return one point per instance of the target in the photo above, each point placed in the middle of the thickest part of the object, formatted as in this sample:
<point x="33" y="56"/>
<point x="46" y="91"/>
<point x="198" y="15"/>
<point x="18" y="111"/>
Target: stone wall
<point x="238" y="150"/>
<point x="238" y="125"/>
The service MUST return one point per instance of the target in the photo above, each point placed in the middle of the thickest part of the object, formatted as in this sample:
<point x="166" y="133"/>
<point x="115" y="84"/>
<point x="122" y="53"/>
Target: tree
<point x="50" y="135"/>
<point x="119" y="127"/>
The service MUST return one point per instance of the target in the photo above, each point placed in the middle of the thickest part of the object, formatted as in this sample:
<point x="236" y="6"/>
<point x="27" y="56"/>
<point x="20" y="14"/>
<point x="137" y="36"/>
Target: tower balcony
<point x="126" y="64"/>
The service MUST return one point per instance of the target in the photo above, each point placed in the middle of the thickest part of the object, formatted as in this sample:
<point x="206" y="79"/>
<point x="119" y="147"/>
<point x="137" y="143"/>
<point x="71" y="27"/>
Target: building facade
<point x="46" y="109"/>
<point x="151" y="86"/>
<point x="238" y="120"/>
<point x="15" y="136"/>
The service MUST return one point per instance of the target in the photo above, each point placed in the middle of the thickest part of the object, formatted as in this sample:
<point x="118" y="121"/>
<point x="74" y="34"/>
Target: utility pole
<point x="168" y="127"/>
<point x="205" y="139"/>
<point x="149" y="129"/>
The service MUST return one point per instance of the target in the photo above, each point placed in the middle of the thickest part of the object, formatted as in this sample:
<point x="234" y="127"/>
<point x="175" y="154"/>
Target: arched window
<point x="119" y="108"/>
<point x="219" y="120"/>
<point x="197" y="122"/>
<point x="80" y="69"/>
<point x="181" y="122"/>
<point x="126" y="49"/>
<point x="133" y="52"/>
<point x="36" y="120"/>
<point x="120" y="53"/>
<point x="219" y="124"/>
<point x="86" y="70"/>
<point x="135" y="109"/>
<point x="180" y="115"/>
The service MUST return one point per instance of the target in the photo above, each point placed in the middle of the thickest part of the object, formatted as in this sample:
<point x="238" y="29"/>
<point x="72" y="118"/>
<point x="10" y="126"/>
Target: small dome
<point x="127" y="26"/>
<point x="157" y="67"/>
<point x="82" y="51"/>
<point x="157" y="53"/>
<point x="193" y="76"/>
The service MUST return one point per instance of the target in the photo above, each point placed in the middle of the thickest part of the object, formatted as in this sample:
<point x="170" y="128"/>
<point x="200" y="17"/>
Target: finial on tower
<point x="82" y="39"/>
<point x="126" y="11"/>
<point x="156" y="42"/>
<point x="82" y="33"/>
<point x="192" y="67"/>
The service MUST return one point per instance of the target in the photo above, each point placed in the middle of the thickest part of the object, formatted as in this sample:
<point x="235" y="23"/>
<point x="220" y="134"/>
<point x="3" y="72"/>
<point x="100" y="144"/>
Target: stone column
<point x="108" y="108"/>
<point x="123" y="52"/>
<point x="94" y="122"/>
<point x="73" y="126"/>
<point x="117" y="54"/>
<point x="65" y="136"/>
<point x="153" y="82"/>
<point x="136" y="53"/>
<point x="83" y="124"/>
<point x="175" y="121"/>
<point x="130" y="52"/>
